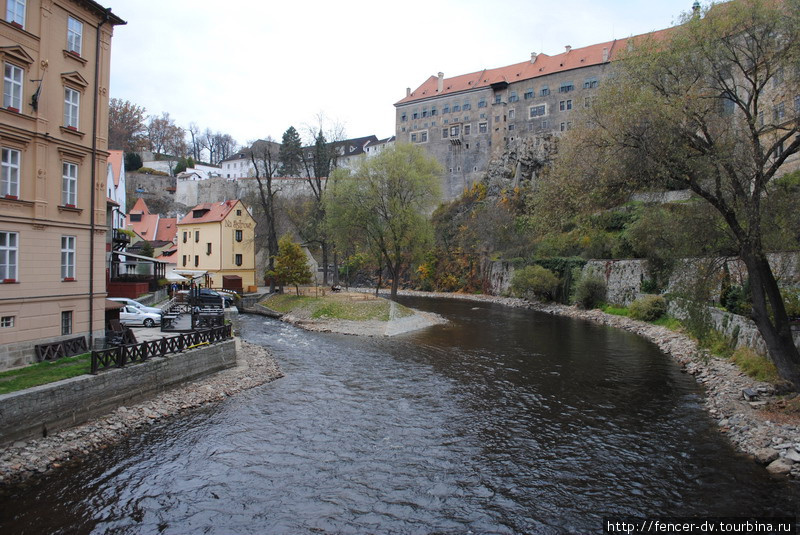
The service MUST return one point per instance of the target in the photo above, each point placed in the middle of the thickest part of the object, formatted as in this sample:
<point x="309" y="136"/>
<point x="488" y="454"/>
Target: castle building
<point x="53" y="170"/>
<point x="462" y="121"/>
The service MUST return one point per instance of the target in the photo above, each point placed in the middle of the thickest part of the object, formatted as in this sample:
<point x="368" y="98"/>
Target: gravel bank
<point x="741" y="418"/>
<point x="22" y="460"/>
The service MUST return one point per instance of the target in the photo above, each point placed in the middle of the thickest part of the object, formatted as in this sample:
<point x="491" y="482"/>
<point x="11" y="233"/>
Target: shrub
<point x="648" y="308"/>
<point x="590" y="290"/>
<point x="534" y="281"/>
<point x="132" y="161"/>
<point x="151" y="171"/>
<point x="791" y="299"/>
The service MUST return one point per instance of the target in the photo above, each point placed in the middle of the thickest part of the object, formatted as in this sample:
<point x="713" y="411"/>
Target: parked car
<point x="137" y="304"/>
<point x="130" y="315"/>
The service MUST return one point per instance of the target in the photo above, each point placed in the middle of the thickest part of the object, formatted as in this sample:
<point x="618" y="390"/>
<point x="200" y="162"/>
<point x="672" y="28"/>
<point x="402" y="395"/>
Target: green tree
<point x="291" y="153"/>
<point x="703" y="107"/>
<point x="386" y="202"/>
<point x="132" y="161"/>
<point x="291" y="266"/>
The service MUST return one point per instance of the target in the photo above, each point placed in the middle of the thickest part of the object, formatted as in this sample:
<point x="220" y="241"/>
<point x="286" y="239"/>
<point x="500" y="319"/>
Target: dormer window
<point x="199" y="213"/>
<point x="136" y="218"/>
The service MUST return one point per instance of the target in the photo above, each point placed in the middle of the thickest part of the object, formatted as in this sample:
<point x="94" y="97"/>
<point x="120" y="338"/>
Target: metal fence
<point x="119" y="356"/>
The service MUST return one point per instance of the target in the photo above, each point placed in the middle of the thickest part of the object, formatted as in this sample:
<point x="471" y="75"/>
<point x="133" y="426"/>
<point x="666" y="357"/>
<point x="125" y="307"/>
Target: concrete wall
<point x="44" y="409"/>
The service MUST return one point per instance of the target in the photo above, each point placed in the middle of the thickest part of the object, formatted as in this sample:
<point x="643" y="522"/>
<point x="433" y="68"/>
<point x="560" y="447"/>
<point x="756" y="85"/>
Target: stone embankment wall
<point x="624" y="282"/>
<point x="41" y="410"/>
<point x="192" y="192"/>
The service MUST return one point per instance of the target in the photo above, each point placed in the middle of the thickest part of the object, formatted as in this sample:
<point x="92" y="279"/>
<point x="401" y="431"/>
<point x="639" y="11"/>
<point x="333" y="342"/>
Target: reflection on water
<point x="502" y="421"/>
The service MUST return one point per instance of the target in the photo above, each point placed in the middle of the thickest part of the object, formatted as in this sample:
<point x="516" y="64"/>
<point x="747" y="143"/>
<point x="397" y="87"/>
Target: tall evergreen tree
<point x="290" y="154"/>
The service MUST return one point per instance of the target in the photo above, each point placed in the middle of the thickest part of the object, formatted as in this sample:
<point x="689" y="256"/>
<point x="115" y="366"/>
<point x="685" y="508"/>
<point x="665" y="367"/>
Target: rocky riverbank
<point x="22" y="460"/>
<point x="738" y="403"/>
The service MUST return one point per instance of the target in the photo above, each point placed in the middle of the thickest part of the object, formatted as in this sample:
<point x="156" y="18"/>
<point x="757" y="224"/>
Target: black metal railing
<point x="119" y="356"/>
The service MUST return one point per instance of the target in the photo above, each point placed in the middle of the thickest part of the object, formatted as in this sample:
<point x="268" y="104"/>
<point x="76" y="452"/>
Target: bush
<point x="590" y="290"/>
<point x="648" y="308"/>
<point x="534" y="281"/>
<point x="132" y="161"/>
<point x="791" y="299"/>
<point x="151" y="171"/>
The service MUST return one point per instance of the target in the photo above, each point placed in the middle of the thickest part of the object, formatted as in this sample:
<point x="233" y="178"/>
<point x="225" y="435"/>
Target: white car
<point x="137" y="304"/>
<point x="130" y="315"/>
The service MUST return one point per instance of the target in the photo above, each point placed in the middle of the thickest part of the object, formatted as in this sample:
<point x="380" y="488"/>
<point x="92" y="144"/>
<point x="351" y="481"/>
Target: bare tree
<point x="264" y="156"/>
<point x="125" y="125"/>
<point x="196" y="141"/>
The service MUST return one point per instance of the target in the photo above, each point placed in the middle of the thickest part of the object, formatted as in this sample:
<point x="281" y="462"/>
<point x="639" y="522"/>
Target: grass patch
<point x="615" y="310"/>
<point x="670" y="323"/>
<point x="353" y="307"/>
<point x="754" y="365"/>
<point x="45" y="372"/>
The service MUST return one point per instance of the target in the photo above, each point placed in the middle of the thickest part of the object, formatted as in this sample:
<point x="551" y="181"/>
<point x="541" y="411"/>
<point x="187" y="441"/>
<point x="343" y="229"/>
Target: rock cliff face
<point x="526" y="159"/>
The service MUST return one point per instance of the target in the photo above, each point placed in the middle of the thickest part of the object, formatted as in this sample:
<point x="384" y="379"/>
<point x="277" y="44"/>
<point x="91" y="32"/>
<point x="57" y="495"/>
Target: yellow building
<point x="218" y="238"/>
<point x="53" y="140"/>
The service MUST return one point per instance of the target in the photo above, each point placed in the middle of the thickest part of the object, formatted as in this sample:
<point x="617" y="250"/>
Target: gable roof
<point x="167" y="229"/>
<point x="539" y="65"/>
<point x="115" y="161"/>
<point x="211" y="212"/>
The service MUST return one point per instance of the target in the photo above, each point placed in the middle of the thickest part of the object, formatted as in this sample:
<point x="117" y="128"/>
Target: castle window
<point x="538" y="111"/>
<point x="528" y="93"/>
<point x="566" y="87"/>
<point x="590" y="83"/>
<point x="482" y="102"/>
<point x="544" y="91"/>
<point x="514" y="97"/>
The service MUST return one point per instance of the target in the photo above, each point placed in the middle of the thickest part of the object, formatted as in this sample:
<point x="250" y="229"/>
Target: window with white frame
<point x="12" y="87"/>
<point x="512" y="114"/>
<point x="74" y="35"/>
<point x="483" y="128"/>
<point x="9" y="173"/>
<point x="467" y="129"/>
<point x="8" y="256"/>
<point x="69" y="184"/>
<point x="15" y="11"/>
<point x="72" y="105"/>
<point x="565" y="105"/>
<point x="68" y="257"/>
<point x="7" y="322"/>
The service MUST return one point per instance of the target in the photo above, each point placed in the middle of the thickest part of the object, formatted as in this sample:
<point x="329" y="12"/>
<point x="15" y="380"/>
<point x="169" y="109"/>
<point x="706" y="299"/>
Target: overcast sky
<point x="253" y="68"/>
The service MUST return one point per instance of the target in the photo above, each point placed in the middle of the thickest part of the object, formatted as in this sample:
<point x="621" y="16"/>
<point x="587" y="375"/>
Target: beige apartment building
<point x="218" y="238"/>
<point x="53" y="152"/>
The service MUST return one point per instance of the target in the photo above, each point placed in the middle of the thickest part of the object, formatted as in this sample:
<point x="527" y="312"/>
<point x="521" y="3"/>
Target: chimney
<point x="440" y="83"/>
<point x="568" y="48"/>
<point x="408" y="91"/>
<point x="533" y="57"/>
<point x="605" y="54"/>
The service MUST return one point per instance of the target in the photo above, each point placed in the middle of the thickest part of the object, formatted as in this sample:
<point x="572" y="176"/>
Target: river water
<point x="503" y="421"/>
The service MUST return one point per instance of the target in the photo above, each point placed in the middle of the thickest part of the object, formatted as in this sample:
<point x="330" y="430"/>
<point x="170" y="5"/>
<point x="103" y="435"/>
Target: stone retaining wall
<point x="41" y="410"/>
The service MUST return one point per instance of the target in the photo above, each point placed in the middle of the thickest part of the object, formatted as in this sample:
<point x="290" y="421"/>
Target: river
<point x="502" y="421"/>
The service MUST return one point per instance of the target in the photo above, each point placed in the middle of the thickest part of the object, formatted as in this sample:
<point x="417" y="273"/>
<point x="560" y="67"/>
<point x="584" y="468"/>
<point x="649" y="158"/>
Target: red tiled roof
<point x="115" y="160"/>
<point x="167" y="229"/>
<point x="148" y="226"/>
<point x="541" y="66"/>
<point x="211" y="212"/>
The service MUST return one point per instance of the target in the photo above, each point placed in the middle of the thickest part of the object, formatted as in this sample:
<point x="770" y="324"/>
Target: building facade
<point x="218" y="238"/>
<point x="53" y="140"/>
<point x="464" y="120"/>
